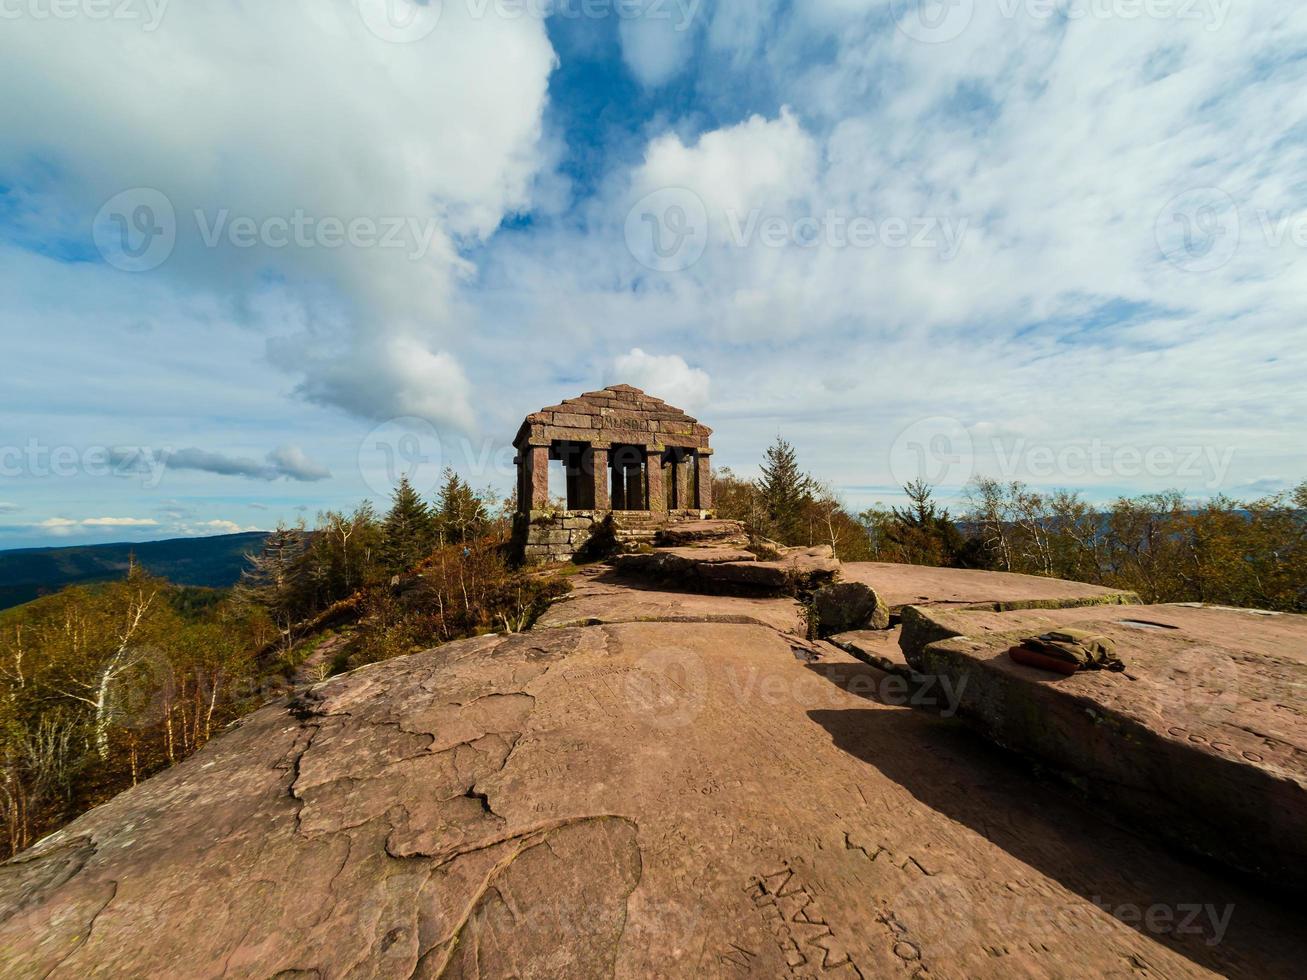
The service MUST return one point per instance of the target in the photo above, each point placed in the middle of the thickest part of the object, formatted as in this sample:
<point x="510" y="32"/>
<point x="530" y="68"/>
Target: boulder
<point x="785" y="576"/>
<point x="844" y="606"/>
<point x="1202" y="740"/>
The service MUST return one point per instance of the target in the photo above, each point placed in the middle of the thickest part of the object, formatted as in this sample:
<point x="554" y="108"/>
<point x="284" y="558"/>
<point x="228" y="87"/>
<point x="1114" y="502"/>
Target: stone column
<point x="599" y="474"/>
<point x="539" y="477"/>
<point x="703" y="474"/>
<point x="657" y="499"/>
<point x="684" y="466"/>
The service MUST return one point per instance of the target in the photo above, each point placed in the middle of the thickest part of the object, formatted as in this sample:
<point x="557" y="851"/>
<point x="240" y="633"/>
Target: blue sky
<point x="255" y="260"/>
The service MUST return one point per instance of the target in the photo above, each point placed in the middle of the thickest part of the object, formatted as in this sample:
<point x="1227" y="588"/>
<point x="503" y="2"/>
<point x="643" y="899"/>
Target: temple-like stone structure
<point x="624" y="454"/>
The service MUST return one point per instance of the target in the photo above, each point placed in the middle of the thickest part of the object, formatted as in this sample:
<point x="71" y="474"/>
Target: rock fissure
<point x="83" y="939"/>
<point x="295" y="765"/>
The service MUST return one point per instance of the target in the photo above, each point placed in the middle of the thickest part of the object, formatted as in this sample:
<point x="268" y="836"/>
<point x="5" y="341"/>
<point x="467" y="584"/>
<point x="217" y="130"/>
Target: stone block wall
<point x="550" y="536"/>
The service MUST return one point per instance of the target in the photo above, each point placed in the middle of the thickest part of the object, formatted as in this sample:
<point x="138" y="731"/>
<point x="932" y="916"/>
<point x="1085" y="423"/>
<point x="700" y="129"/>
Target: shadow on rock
<point x="953" y="771"/>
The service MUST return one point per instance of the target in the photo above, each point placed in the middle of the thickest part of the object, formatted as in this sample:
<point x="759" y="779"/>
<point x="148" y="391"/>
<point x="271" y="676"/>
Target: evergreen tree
<point x="785" y="492"/>
<point x="460" y="513"/>
<point x="409" y="531"/>
<point x="275" y="577"/>
<point x="922" y="533"/>
<point x="343" y="553"/>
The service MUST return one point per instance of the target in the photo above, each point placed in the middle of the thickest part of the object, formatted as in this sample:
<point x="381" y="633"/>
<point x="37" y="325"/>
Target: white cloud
<point x="667" y="377"/>
<point x="1054" y="145"/>
<point x="393" y="378"/>
<point x="225" y="527"/>
<point x="290" y="461"/>
<point x="274" y="110"/>
<point x="761" y="163"/>
<point x="1046" y="152"/>
<point x="63" y="526"/>
<point x="656" y="48"/>
<point x="284" y="462"/>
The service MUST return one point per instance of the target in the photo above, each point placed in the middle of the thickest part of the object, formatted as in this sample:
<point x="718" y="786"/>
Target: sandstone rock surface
<point x="720" y="533"/>
<point x="906" y="585"/>
<point x="880" y="648"/>
<point x="726" y="571"/>
<point x="1203" y="739"/>
<point x="790" y="575"/>
<point x="632" y="800"/>
<point x="599" y="597"/>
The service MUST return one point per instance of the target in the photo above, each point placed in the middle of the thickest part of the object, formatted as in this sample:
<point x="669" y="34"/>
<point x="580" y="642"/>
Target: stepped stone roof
<point x="619" y="414"/>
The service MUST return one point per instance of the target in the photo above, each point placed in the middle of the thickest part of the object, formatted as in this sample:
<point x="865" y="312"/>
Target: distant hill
<point x="216" y="562"/>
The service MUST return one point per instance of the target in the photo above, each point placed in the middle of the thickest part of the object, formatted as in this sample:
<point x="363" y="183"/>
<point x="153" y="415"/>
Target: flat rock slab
<point x="709" y="554"/>
<point x="906" y="585"/>
<point x="880" y="648"/>
<point x="601" y="598"/>
<point x="1203" y="739"/>
<point x="790" y="575"/>
<point x="727" y="571"/>
<point x="677" y="563"/>
<point x="628" y="801"/>
<point x="696" y="532"/>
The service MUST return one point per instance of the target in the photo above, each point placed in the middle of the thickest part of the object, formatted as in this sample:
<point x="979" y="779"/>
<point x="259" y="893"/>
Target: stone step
<point x="703" y="532"/>
<point x="730" y="571"/>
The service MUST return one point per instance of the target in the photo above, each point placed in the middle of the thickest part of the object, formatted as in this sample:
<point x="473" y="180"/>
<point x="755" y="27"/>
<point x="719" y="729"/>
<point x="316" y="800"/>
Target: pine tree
<point x="275" y="578"/>
<point x="409" y="531"/>
<point x="785" y="492"/>
<point x="922" y="533"/>
<point x="460" y="514"/>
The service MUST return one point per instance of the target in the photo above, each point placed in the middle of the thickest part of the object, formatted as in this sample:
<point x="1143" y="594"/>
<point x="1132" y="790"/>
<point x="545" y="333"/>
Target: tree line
<point x="1166" y="548"/>
<point x="102" y="685"/>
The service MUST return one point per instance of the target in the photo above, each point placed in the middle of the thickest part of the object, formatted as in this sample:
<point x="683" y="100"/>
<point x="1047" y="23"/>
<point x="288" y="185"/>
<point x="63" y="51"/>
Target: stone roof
<point x="618" y="414"/>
